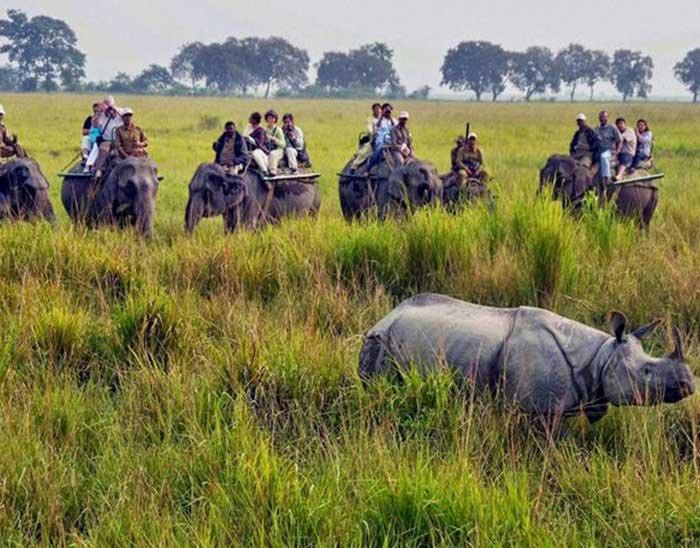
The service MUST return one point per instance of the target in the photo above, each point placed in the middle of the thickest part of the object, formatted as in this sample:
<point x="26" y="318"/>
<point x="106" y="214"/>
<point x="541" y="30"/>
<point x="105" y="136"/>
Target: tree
<point x="9" y="78"/>
<point x="182" y="66"/>
<point x="573" y="63"/>
<point x="476" y="66"/>
<point x="422" y="93"/>
<point x="44" y="49"/>
<point x="630" y="73"/>
<point x="121" y="83"/>
<point x="369" y="68"/>
<point x="275" y="62"/>
<point x="154" y="79"/>
<point x="226" y="66"/>
<point x="597" y="69"/>
<point x="688" y="72"/>
<point x="534" y="71"/>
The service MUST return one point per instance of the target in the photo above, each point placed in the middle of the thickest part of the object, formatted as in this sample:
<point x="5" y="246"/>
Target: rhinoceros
<point x="549" y="365"/>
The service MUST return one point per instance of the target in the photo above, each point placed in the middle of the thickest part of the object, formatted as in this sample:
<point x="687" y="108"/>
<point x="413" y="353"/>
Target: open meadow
<point x="203" y="390"/>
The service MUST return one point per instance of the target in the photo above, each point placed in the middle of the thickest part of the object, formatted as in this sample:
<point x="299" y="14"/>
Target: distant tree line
<point x="43" y="55"/>
<point x="482" y="67"/>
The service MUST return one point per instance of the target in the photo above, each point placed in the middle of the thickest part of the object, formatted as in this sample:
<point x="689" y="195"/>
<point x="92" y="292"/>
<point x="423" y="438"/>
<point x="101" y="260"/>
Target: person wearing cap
<point x="459" y="143"/>
<point x="130" y="140"/>
<point x="230" y="149"/>
<point x="611" y="142"/>
<point x="8" y="145"/>
<point x="256" y="138"/>
<point x="401" y="144"/>
<point x="365" y="149"/>
<point x="382" y="137"/>
<point x="585" y="145"/>
<point x="276" y="142"/>
<point x="295" y="145"/>
<point x="470" y="161"/>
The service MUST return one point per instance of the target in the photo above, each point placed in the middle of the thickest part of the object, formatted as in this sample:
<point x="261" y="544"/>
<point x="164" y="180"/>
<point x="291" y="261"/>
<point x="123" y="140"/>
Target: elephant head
<point x="411" y="186"/>
<point x="24" y="191"/>
<point x="134" y="183"/>
<point x="212" y="192"/>
<point x="570" y="180"/>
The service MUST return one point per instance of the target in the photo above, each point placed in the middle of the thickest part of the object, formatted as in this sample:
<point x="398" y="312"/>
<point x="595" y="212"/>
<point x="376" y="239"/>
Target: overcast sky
<point x="127" y="35"/>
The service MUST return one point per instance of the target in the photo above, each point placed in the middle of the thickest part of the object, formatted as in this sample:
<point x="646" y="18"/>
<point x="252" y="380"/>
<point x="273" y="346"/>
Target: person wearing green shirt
<point x="276" y="142"/>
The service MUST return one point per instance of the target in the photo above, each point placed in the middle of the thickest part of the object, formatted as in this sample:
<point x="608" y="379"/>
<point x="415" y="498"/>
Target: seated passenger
<point x="382" y="136"/>
<point x="129" y="138"/>
<point x="276" y="142"/>
<point x="401" y="143"/>
<point x="645" y="141"/>
<point x="257" y="142"/>
<point x="459" y="143"/>
<point x="586" y="143"/>
<point x="8" y="145"/>
<point x="625" y="157"/>
<point x="470" y="162"/>
<point x="295" y="146"/>
<point x="365" y="150"/>
<point x="230" y="149"/>
<point x="90" y="131"/>
<point x="110" y="119"/>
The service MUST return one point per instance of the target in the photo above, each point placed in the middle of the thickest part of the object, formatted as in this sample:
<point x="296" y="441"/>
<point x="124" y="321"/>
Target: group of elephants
<point x="127" y="194"/>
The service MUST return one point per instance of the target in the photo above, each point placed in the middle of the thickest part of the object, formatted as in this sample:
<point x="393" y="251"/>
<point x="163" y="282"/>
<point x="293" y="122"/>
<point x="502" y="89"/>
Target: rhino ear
<point x="677" y="353"/>
<point x="618" y="324"/>
<point x="644" y="331"/>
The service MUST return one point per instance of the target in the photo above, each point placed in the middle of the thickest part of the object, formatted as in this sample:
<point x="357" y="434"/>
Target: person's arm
<point x="459" y="161"/>
<point x="278" y="138"/>
<point x="572" y="145"/>
<point x="394" y="139"/>
<point x="119" y="143"/>
<point x="618" y="142"/>
<point x="300" y="138"/>
<point x="143" y="139"/>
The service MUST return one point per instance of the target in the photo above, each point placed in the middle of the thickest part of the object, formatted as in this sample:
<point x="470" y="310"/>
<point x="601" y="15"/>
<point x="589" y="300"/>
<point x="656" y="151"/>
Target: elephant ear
<point x="36" y="178"/>
<point x="618" y="324"/>
<point x="123" y="172"/>
<point x="566" y="168"/>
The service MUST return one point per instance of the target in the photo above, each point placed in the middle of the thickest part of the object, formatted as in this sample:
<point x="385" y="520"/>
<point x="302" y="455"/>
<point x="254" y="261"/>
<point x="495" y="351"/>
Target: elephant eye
<point x="647" y="370"/>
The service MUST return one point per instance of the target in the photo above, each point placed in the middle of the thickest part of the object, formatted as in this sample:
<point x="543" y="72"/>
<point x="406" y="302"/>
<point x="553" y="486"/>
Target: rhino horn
<point x="677" y="353"/>
<point x="618" y="324"/>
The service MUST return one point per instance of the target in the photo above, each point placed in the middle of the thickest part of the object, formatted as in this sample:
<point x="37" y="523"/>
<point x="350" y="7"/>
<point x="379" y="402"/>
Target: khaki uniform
<point x="401" y="144"/>
<point x="470" y="163"/>
<point x="127" y="140"/>
<point x="7" y="145"/>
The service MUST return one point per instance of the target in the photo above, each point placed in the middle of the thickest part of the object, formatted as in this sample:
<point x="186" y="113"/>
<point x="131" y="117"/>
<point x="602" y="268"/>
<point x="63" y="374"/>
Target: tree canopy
<point x="534" y="71"/>
<point x="476" y="66"/>
<point x="44" y="49"/>
<point x="630" y="73"/>
<point x="687" y="71"/>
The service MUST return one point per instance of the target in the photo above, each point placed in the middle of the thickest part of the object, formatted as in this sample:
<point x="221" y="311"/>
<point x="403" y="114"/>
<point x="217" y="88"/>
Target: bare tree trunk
<point x="573" y="92"/>
<point x="695" y="97"/>
<point x="591" y="97"/>
<point x="267" y="89"/>
<point x="478" y="95"/>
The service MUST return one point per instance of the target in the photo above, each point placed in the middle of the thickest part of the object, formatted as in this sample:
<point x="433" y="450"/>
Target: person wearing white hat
<point x="585" y="145"/>
<point x="129" y="139"/>
<point x="110" y="120"/>
<point x="401" y="143"/>
<point x="8" y="145"/>
<point x="470" y="161"/>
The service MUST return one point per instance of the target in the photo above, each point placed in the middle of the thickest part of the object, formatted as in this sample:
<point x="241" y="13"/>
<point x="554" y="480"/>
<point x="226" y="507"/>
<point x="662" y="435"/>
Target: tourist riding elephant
<point x="456" y="193"/>
<point x="24" y="192"/>
<point x="409" y="187"/>
<point x="247" y="200"/>
<point x="571" y="180"/>
<point x="358" y="189"/>
<point x="124" y="196"/>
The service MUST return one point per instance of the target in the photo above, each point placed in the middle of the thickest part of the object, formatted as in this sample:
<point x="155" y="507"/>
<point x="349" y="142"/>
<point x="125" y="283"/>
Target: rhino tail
<point x="372" y="357"/>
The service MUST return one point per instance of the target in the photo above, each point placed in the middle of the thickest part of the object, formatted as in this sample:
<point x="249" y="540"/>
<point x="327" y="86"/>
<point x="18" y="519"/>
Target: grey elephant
<point x="247" y="200"/>
<point x="24" y="192"/>
<point x="409" y="187"/>
<point x="551" y="366"/>
<point x="455" y="193"/>
<point x="570" y="181"/>
<point x="358" y="189"/>
<point x="124" y="196"/>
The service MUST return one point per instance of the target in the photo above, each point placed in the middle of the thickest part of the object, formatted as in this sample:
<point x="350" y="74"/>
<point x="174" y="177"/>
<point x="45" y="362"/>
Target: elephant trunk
<point x="143" y="213"/>
<point x="193" y="213"/>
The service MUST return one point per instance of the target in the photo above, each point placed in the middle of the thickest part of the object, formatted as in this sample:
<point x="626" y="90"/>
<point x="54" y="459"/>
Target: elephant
<point x="24" y="192"/>
<point x="126" y="195"/>
<point x="571" y="180"/>
<point x="454" y="193"/>
<point x="413" y="185"/>
<point x="247" y="199"/>
<point x="358" y="190"/>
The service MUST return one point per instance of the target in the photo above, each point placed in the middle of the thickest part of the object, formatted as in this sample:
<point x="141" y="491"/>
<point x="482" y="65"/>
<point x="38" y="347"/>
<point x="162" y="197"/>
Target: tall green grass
<point x="203" y="390"/>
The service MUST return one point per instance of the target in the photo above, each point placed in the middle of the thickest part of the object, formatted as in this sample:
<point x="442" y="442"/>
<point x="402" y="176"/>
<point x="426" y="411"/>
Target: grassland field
<point x="203" y="390"/>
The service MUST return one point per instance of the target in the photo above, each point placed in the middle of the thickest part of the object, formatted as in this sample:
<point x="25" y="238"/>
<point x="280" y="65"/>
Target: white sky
<point x="127" y="35"/>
